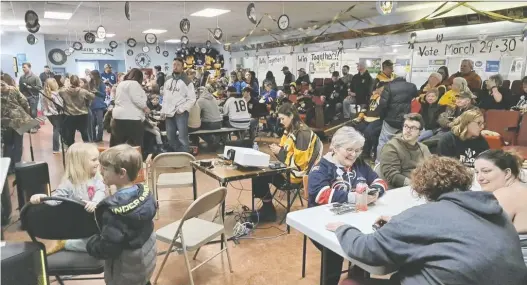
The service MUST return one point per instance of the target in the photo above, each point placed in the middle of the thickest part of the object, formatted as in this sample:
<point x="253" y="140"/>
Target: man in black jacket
<point x="302" y="77"/>
<point x="394" y="104"/>
<point x="360" y="88"/>
<point x="160" y="76"/>
<point x="335" y="92"/>
<point x="288" y="79"/>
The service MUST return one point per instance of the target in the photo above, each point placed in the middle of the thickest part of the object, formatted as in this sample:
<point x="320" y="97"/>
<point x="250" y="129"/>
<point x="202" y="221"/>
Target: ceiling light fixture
<point x="209" y="12"/>
<point x="99" y="40"/>
<point x="154" y="31"/>
<point x="173" y="41"/>
<point x="110" y="35"/>
<point x="13" y="22"/>
<point x="57" y="15"/>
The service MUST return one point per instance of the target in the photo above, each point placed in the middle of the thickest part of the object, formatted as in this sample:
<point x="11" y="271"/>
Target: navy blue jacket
<point x="329" y="183"/>
<point x="100" y="96"/>
<point x="125" y="220"/>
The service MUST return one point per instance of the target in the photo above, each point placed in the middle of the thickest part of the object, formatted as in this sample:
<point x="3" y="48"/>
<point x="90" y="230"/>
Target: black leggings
<point x="73" y="124"/>
<point x="127" y="132"/>
<point x="260" y="185"/>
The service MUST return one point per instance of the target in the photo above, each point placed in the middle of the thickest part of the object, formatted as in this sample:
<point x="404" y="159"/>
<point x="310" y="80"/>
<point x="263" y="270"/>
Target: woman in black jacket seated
<point x="458" y="237"/>
<point x="464" y="142"/>
<point x="495" y="96"/>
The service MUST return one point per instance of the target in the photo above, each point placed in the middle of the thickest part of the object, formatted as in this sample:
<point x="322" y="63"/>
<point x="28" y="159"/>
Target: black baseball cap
<point x="285" y="68"/>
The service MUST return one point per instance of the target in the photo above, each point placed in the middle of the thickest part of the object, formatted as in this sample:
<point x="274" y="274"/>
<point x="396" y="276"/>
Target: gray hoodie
<point x="463" y="238"/>
<point x="210" y="111"/>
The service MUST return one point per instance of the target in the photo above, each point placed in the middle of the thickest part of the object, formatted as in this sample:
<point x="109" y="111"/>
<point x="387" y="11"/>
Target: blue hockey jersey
<point x="330" y="182"/>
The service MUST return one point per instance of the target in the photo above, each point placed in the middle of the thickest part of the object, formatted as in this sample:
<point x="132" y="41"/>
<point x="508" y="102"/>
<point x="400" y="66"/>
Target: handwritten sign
<point x="469" y="48"/>
<point x="325" y="56"/>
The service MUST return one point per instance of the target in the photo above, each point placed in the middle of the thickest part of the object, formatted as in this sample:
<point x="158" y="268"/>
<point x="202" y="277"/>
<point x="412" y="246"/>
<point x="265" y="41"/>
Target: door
<point x="83" y="65"/>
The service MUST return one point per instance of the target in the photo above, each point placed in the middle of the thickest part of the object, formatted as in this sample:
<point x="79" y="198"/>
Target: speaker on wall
<point x="31" y="178"/>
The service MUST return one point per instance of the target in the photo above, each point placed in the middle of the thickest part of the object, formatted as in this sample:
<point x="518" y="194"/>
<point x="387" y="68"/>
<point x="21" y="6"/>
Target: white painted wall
<point x="15" y="43"/>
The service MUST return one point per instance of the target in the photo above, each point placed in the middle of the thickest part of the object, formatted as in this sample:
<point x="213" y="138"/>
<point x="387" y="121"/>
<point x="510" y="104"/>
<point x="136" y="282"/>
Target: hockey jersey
<point x="330" y="182"/>
<point x="238" y="112"/>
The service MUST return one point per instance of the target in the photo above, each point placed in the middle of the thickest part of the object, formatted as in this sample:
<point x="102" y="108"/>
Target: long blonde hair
<point x="459" y="126"/>
<point x="50" y="86"/>
<point x="77" y="163"/>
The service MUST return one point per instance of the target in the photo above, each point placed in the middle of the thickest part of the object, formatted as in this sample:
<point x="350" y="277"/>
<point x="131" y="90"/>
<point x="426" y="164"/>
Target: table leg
<point x="223" y="184"/>
<point x="323" y="266"/>
<point x="194" y="184"/>
<point x="288" y="208"/>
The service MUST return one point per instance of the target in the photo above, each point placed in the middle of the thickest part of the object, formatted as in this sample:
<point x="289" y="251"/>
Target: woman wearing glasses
<point x="464" y="141"/>
<point x="334" y="180"/>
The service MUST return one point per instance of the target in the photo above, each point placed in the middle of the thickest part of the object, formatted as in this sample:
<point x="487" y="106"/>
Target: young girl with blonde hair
<point x="51" y="90"/>
<point x="82" y="181"/>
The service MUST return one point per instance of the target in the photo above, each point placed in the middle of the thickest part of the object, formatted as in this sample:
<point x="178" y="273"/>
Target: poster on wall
<point x="516" y="65"/>
<point x="435" y="64"/>
<point x="21" y="58"/>
<point x="373" y="65"/>
<point x="492" y="66"/>
<point x="322" y="64"/>
<point x="401" y="66"/>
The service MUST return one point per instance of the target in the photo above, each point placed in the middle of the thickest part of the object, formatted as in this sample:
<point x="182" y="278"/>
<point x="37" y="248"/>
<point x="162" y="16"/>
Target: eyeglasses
<point x="411" y="128"/>
<point x="480" y="124"/>
<point x="356" y="151"/>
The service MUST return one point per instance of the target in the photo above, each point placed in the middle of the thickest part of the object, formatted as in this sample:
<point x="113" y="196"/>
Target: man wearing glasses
<point x="403" y="153"/>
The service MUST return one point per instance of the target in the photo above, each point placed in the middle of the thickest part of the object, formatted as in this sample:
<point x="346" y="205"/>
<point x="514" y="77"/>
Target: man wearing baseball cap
<point x="288" y="79"/>
<point x="108" y="76"/>
<point x="302" y="77"/>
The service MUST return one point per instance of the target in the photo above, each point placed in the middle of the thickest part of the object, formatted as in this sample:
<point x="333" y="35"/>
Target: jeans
<point x="13" y="145"/>
<point x="177" y="132"/>
<point x="76" y="245"/>
<point x="155" y="131"/>
<point x="89" y="124"/>
<point x="33" y="107"/>
<point x="56" y="121"/>
<point x="387" y="133"/>
<point x="346" y="107"/>
<point x="371" y="132"/>
<point x="425" y="134"/>
<point x="97" y="124"/>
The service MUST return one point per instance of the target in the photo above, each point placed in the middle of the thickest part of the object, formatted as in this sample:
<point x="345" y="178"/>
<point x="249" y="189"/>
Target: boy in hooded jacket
<point x="127" y="241"/>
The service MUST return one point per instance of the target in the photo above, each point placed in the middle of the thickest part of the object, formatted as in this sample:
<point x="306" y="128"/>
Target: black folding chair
<point x="67" y="220"/>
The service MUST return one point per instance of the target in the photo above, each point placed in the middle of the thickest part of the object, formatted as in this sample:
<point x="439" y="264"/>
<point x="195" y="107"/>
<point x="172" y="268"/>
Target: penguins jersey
<point x="238" y="112"/>
<point x="329" y="183"/>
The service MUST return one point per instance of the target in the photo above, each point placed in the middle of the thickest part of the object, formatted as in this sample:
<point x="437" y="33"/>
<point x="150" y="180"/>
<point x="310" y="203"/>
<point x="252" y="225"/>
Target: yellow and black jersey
<point x="300" y="150"/>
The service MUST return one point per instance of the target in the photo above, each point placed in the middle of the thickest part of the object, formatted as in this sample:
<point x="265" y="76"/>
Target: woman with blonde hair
<point x="464" y="141"/>
<point x="50" y="110"/>
<point x="83" y="181"/>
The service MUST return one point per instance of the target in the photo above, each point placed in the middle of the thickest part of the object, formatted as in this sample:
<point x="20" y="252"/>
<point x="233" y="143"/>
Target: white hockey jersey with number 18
<point x="238" y="112"/>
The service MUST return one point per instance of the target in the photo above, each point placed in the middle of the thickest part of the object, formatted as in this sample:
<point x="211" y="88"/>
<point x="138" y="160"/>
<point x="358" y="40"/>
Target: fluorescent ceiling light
<point x="210" y="12"/>
<point x="110" y="35"/>
<point x="13" y="22"/>
<point x="154" y="31"/>
<point x="57" y="15"/>
<point x="173" y="41"/>
<point x="99" y="40"/>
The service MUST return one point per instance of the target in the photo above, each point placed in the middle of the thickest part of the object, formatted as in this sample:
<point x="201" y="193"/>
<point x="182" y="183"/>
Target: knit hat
<point x="438" y="76"/>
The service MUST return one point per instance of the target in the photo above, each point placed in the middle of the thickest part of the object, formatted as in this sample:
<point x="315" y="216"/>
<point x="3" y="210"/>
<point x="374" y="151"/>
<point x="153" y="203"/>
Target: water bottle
<point x="255" y="146"/>
<point x="361" y="191"/>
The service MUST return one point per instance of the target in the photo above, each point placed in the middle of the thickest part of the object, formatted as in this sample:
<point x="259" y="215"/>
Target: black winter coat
<point x="395" y="101"/>
<point x="430" y="114"/>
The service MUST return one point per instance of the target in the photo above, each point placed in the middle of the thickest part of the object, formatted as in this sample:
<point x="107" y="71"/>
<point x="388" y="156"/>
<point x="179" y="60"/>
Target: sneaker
<point x="56" y="151"/>
<point x="267" y="213"/>
<point x="58" y="246"/>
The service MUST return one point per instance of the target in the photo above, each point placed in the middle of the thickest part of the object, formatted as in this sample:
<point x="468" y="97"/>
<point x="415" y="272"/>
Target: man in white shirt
<point x="178" y="98"/>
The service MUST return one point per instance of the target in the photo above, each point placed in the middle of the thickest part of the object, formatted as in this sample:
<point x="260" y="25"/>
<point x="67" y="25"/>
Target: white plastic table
<point x="312" y="222"/>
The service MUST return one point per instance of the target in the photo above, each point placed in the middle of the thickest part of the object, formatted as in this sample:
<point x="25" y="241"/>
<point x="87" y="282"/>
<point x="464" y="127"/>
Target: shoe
<point x="267" y="213"/>
<point x="58" y="246"/>
<point x="56" y="151"/>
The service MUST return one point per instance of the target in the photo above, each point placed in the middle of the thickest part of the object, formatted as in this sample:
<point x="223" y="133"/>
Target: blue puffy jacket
<point x="100" y="96"/>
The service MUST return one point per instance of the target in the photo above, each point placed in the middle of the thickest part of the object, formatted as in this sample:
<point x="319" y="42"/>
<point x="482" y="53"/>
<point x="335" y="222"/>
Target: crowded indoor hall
<point x="263" y="142"/>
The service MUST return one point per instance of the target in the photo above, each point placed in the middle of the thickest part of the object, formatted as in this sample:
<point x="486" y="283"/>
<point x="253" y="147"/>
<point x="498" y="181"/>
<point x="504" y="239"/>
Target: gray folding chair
<point x="191" y="233"/>
<point x="165" y="172"/>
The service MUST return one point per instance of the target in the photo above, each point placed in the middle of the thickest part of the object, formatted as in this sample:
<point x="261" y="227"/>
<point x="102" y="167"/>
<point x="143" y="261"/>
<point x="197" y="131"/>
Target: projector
<point x="247" y="157"/>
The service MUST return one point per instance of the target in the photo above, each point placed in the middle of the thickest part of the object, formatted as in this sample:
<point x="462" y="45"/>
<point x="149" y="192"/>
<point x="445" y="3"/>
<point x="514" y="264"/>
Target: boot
<point x="267" y="213"/>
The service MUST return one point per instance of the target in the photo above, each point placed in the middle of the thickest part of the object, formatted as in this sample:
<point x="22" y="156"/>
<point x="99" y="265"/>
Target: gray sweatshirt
<point x="463" y="238"/>
<point x="92" y="190"/>
<point x="210" y="111"/>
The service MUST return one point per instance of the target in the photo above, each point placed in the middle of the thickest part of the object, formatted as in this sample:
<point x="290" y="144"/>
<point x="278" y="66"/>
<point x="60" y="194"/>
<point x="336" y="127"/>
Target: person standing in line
<point x="29" y="85"/>
<point x="288" y="79"/>
<point x="178" y="98"/>
<point x="108" y="77"/>
<point x="360" y="89"/>
<point x="98" y="106"/>
<point x="46" y="74"/>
